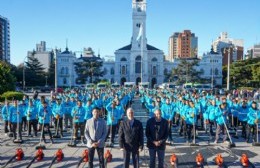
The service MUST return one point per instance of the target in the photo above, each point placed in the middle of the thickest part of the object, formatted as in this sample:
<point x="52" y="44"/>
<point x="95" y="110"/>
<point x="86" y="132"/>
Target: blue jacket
<point x="210" y="112"/>
<point x="252" y="115"/>
<point x="242" y="113"/>
<point x="89" y="109"/>
<point x="221" y="115"/>
<point x="6" y="112"/>
<point x="44" y="114"/>
<point x="191" y="115"/>
<point x="58" y="110"/>
<point x="31" y="112"/>
<point x="112" y="115"/>
<point x="67" y="107"/>
<point x="78" y="114"/>
<point x="167" y="111"/>
<point x="14" y="116"/>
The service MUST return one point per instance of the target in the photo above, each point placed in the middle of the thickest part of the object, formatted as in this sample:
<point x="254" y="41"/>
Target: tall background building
<point x="44" y="56"/>
<point x="4" y="39"/>
<point x="183" y="45"/>
<point x="236" y="47"/>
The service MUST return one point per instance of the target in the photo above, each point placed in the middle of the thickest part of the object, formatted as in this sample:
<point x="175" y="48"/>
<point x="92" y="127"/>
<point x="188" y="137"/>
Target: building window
<point x="138" y="65"/>
<point x="62" y="71"/>
<point x="123" y="59"/>
<point x="123" y="71"/>
<point x="112" y="71"/>
<point x="216" y="71"/>
<point x="154" y="70"/>
<point x="64" y="81"/>
<point x="202" y="71"/>
<point x="154" y="59"/>
<point x="66" y="70"/>
<point x="165" y="72"/>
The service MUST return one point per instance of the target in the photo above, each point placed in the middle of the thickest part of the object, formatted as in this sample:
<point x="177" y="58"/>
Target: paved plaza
<point x="186" y="154"/>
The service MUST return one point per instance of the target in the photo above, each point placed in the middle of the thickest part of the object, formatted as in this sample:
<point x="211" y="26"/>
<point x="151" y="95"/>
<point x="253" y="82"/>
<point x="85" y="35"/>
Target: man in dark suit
<point x="156" y="133"/>
<point x="95" y="133"/>
<point x="131" y="138"/>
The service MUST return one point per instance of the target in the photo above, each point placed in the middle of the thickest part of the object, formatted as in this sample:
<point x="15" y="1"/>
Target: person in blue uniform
<point x="221" y="119"/>
<point x="31" y="116"/>
<point x="58" y="112"/>
<point x="252" y="122"/>
<point x="44" y="115"/>
<point x="242" y="117"/>
<point x="5" y="116"/>
<point x="191" y="118"/>
<point x="168" y="113"/>
<point x="78" y="113"/>
<point x="15" y="119"/>
<point x="68" y="105"/>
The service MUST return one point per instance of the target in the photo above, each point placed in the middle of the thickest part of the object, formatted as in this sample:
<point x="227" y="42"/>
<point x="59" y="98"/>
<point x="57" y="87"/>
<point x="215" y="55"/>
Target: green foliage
<point x="51" y="74"/>
<point x="242" y="73"/>
<point x="89" y="69"/>
<point x="7" y="79"/>
<point x="185" y="72"/>
<point x="12" y="95"/>
<point x="34" y="74"/>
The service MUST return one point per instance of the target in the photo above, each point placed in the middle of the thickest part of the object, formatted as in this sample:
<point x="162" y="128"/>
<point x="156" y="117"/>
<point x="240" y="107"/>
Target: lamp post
<point x="24" y="73"/>
<point x="228" y="68"/>
<point x="46" y="79"/>
<point x="234" y="78"/>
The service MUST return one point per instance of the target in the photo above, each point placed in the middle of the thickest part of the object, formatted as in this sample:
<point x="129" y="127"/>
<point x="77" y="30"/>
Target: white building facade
<point x="65" y="68"/>
<point x="45" y="57"/>
<point x="141" y="62"/>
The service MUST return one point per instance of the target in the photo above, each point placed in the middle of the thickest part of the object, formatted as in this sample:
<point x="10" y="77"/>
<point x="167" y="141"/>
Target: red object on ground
<point x="108" y="156"/>
<point x="219" y="160"/>
<point x="244" y="160"/>
<point x="19" y="154"/>
<point x="173" y="159"/>
<point x="199" y="159"/>
<point x="59" y="155"/>
<point x="85" y="155"/>
<point x="39" y="154"/>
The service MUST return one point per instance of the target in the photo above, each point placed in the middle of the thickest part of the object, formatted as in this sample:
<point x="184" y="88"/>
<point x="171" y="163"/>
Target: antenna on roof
<point x="67" y="45"/>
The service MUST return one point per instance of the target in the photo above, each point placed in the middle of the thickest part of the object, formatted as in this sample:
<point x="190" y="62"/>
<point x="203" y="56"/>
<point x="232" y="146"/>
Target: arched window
<point x="123" y="70"/>
<point x="105" y="71"/>
<point x="112" y="71"/>
<point x="66" y="70"/>
<point x="64" y="81"/>
<point x="216" y="71"/>
<point x="154" y="59"/>
<point x="202" y="71"/>
<point x="165" y="72"/>
<point x="138" y="65"/>
<point x="123" y="59"/>
<point x="62" y="71"/>
<point x="154" y="70"/>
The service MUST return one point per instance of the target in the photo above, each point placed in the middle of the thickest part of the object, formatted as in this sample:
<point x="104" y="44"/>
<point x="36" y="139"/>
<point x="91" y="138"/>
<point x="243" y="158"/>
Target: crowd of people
<point x="94" y="116"/>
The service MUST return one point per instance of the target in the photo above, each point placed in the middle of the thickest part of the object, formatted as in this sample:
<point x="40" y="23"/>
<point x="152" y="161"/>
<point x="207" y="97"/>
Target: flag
<point x="140" y="34"/>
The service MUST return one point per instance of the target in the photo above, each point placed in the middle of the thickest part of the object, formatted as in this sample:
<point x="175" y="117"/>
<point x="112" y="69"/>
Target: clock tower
<point x="139" y="24"/>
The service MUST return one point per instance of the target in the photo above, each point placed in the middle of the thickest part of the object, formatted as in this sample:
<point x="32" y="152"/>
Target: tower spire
<point x="67" y="49"/>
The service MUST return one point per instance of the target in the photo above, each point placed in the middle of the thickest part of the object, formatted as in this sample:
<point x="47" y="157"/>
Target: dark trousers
<point x="183" y="127"/>
<point x="221" y="128"/>
<point x="135" y="158"/>
<point x="47" y="126"/>
<point x="24" y="123"/>
<point x="189" y="129"/>
<point x="248" y="132"/>
<point x="170" y="130"/>
<point x="160" y="155"/>
<point x="177" y="119"/>
<point x="6" y="126"/>
<point x="91" y="153"/>
<point x="32" y="123"/>
<point x="14" y="126"/>
<point x="78" y="126"/>
<point x="67" y="120"/>
<point x="113" y="132"/>
<point x="58" y="127"/>
<point x="244" y="124"/>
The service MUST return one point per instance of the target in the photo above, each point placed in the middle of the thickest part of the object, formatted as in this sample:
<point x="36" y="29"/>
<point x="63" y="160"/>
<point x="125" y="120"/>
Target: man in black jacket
<point x="131" y="138"/>
<point x="156" y="133"/>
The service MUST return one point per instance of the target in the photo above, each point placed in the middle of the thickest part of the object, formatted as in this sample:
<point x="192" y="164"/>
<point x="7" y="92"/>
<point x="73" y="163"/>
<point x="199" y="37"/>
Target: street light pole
<point x="24" y="73"/>
<point x="228" y="70"/>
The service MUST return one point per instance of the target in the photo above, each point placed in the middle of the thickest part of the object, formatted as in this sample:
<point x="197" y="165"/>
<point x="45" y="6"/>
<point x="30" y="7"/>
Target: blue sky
<point x="107" y="25"/>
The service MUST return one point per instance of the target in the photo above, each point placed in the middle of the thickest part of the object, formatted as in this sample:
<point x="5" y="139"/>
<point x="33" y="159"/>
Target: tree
<point x="51" y="74"/>
<point x="185" y="72"/>
<point x="242" y="72"/>
<point x="7" y="79"/>
<point x="89" y="69"/>
<point x="35" y="76"/>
